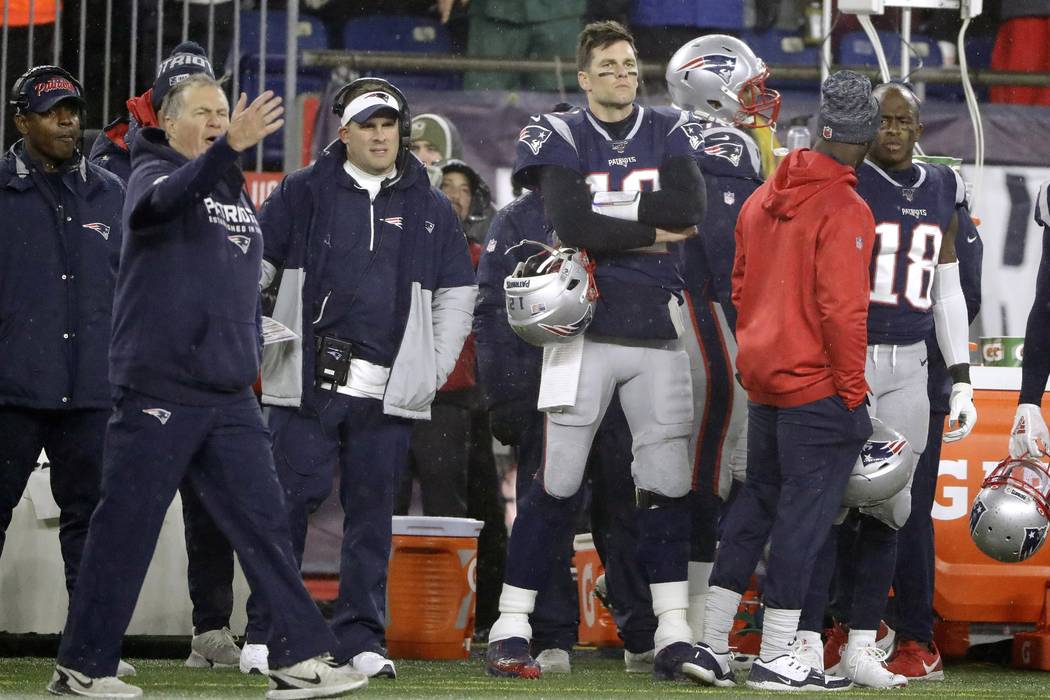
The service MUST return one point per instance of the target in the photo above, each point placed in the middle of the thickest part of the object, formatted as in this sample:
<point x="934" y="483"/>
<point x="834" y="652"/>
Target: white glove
<point x="963" y="414"/>
<point x="1029" y="435"/>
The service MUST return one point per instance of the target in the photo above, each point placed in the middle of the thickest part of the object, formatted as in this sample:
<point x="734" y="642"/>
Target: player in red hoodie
<point x="800" y="286"/>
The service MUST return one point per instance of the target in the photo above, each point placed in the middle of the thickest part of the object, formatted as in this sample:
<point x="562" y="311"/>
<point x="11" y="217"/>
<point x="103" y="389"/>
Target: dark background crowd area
<point x="657" y="24"/>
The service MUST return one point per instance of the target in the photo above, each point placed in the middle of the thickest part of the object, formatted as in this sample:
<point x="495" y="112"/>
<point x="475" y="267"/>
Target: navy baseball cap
<point x="364" y="107"/>
<point x="47" y="90"/>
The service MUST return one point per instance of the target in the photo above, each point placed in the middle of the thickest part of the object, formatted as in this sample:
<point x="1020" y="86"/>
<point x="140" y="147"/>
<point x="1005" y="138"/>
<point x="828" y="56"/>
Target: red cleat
<point x="917" y="661"/>
<point x="510" y="658"/>
<point x="836" y="637"/>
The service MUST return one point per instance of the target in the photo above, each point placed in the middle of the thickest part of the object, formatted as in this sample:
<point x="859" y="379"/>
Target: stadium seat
<point x="725" y="14"/>
<point x="778" y="47"/>
<point x="855" y="49"/>
<point x="311" y="34"/>
<point x="403" y="34"/>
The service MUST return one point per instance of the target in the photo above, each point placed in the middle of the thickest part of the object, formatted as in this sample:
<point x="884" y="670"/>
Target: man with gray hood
<point x="800" y="286"/>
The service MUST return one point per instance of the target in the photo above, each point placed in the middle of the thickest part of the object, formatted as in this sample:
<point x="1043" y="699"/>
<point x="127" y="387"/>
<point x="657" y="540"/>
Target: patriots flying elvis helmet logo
<point x="718" y="63"/>
<point x="242" y="242"/>
<point x="1033" y="539"/>
<point x="159" y="413"/>
<point x="730" y="151"/>
<point x="534" y="136"/>
<point x="978" y="510"/>
<point x="695" y="133"/>
<point x="100" y="229"/>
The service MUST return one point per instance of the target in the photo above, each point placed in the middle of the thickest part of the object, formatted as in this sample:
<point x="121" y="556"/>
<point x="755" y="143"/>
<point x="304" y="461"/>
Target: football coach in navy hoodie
<point x="377" y="280"/>
<point x="184" y="354"/>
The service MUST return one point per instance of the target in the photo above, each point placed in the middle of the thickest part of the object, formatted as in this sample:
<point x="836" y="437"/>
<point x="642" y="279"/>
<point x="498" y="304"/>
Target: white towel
<point x="560" y="376"/>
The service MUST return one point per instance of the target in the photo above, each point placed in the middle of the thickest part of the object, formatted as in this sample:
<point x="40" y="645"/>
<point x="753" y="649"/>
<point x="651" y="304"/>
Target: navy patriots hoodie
<point x="186" y="324"/>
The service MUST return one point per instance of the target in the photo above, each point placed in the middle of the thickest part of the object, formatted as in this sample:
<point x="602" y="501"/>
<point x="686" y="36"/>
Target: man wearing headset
<point x="371" y="269"/>
<point x="58" y="259"/>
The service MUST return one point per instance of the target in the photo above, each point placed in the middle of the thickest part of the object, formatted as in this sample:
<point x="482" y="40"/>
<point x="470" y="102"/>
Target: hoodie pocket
<point x="225" y="353"/>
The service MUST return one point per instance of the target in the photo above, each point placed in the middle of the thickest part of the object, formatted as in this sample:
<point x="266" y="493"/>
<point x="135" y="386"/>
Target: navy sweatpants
<point x="151" y="445"/>
<point x="371" y="450"/>
<point x="799" y="460"/>
<point x="73" y="440"/>
<point x="913" y="577"/>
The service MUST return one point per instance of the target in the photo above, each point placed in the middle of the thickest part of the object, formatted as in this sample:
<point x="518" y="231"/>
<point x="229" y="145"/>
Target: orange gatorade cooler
<point x="431" y="587"/>
<point x="597" y="627"/>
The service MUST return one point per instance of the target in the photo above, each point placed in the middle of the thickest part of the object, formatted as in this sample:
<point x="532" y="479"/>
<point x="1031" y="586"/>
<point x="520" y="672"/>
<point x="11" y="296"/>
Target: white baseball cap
<point x="364" y="107"/>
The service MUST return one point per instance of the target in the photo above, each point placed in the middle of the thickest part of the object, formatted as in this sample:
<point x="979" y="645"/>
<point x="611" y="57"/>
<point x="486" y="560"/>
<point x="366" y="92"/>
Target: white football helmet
<point x="882" y="469"/>
<point x="550" y="296"/>
<point x="720" y="79"/>
<point x="1011" y="514"/>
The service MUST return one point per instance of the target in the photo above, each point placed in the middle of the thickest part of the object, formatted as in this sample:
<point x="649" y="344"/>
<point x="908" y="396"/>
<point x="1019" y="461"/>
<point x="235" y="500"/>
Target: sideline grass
<point x="592" y="677"/>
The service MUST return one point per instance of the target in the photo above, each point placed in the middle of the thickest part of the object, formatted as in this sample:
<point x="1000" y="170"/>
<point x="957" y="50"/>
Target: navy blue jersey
<point x="577" y="141"/>
<point x="732" y="170"/>
<point x="912" y="210"/>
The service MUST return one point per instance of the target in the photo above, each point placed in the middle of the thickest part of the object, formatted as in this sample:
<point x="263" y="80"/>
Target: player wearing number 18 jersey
<point x="915" y="290"/>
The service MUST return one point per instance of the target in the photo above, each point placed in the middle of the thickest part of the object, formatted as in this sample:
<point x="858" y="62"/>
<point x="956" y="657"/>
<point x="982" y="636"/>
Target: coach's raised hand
<point x="252" y="123"/>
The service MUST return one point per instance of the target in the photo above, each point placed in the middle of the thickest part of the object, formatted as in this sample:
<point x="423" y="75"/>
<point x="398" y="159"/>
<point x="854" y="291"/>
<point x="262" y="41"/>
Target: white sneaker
<point x="786" y="673"/>
<point x="254" y="658"/>
<point x="554" y="660"/>
<point x="313" y="678"/>
<point x="124" y="669"/>
<point x="68" y="682"/>
<point x="372" y="664"/>
<point x="808" y="654"/>
<point x="639" y="663"/>
<point x="866" y="666"/>
<point x="213" y="648"/>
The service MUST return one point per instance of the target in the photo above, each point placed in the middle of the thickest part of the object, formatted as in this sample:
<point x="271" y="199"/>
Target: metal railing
<point x="120" y="67"/>
<point x="74" y="24"/>
<point x="412" y="62"/>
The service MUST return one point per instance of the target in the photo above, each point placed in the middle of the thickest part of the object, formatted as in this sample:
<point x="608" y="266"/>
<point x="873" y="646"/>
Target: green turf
<point x="592" y="677"/>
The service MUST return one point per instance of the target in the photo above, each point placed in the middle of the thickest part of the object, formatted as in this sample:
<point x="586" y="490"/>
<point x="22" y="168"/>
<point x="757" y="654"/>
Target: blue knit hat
<point x="186" y="59"/>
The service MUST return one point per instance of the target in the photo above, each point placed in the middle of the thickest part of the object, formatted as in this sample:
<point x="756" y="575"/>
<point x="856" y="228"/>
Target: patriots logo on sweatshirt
<point x="158" y="413"/>
<point x="100" y="229"/>
<point x="394" y="221"/>
<point x="242" y="242"/>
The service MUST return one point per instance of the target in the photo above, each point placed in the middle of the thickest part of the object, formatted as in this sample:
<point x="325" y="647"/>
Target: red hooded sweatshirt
<point x="800" y="284"/>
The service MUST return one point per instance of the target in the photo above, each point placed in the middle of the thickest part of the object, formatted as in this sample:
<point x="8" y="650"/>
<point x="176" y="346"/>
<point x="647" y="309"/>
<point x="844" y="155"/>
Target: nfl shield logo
<point x="908" y="192"/>
<point x="729" y="198"/>
<point x="827" y="132"/>
<point x="860" y="243"/>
